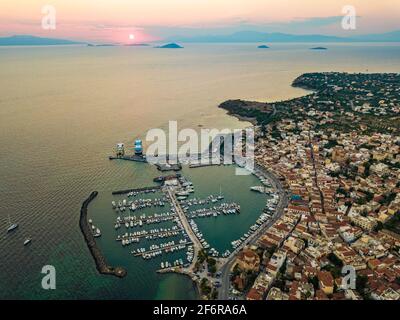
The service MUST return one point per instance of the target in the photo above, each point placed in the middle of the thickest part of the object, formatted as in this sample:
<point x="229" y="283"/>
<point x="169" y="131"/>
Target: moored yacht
<point x="258" y="189"/>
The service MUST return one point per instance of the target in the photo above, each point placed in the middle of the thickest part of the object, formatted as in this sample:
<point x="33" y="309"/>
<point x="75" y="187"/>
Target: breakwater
<point x="101" y="263"/>
<point x="136" y="190"/>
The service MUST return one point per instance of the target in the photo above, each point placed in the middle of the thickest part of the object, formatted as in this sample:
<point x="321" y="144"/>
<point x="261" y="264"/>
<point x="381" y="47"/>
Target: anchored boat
<point x="12" y="226"/>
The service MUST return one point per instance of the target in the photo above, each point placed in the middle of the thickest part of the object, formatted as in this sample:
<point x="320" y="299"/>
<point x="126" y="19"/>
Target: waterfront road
<point x="223" y="292"/>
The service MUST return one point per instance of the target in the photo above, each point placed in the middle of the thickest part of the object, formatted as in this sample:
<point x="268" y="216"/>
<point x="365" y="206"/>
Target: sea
<point x="64" y="108"/>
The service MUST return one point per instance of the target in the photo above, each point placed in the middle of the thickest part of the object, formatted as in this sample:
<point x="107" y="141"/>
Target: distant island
<point x="170" y="46"/>
<point x="101" y="45"/>
<point x="319" y="48"/>
<point x="263" y="46"/>
<point x="26" y="40"/>
<point x="137" y="45"/>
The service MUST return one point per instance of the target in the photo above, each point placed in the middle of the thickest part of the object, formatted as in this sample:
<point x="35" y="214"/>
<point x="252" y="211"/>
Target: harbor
<point x="166" y="225"/>
<point x="211" y="156"/>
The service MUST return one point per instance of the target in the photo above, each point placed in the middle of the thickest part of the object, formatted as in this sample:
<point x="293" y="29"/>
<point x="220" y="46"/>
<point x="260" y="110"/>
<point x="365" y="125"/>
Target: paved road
<point x="282" y="204"/>
<point x="197" y="246"/>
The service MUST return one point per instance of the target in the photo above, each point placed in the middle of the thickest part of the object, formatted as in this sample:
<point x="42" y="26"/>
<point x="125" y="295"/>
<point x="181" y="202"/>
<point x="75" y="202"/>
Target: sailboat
<point x="220" y="197"/>
<point x="12" y="226"/>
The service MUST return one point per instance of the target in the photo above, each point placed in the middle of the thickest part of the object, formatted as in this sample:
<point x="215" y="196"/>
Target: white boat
<point x="12" y="226"/>
<point x="220" y="197"/>
<point x="182" y="193"/>
<point x="97" y="233"/>
<point x="27" y="241"/>
<point x="258" y="189"/>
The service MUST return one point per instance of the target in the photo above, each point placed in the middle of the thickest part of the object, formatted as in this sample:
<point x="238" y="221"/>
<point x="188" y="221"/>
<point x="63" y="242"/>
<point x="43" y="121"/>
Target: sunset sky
<point x="148" y="20"/>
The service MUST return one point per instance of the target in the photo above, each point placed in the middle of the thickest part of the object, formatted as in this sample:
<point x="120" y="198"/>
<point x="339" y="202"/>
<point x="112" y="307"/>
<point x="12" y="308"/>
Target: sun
<point x="131" y="36"/>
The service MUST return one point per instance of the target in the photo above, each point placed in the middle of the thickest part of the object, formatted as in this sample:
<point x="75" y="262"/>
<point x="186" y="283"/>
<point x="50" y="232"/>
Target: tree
<point x="361" y="285"/>
<point x="335" y="260"/>
<point x="314" y="281"/>
<point x="379" y="226"/>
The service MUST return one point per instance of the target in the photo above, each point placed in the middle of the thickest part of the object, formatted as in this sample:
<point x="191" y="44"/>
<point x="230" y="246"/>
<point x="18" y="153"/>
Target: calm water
<point x="62" y="109"/>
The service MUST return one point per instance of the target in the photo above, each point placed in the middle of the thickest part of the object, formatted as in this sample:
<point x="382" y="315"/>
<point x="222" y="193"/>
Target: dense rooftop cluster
<point x="339" y="100"/>
<point x="345" y="194"/>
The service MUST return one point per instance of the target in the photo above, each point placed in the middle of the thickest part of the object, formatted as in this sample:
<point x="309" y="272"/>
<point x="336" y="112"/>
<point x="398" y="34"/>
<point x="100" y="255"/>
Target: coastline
<point x="196" y="285"/>
<point x="253" y="121"/>
<point x="100" y="261"/>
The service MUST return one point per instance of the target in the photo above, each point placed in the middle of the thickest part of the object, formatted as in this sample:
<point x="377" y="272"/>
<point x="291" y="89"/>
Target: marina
<point x="177" y="193"/>
<point x="165" y="225"/>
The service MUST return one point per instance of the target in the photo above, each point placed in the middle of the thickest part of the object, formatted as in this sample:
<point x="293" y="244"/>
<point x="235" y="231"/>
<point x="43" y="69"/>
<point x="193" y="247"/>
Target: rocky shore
<point x="250" y="111"/>
<point x="101" y="263"/>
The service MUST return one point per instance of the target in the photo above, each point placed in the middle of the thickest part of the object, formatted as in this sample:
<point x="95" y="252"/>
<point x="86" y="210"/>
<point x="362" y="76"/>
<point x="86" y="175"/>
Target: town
<point x="336" y="152"/>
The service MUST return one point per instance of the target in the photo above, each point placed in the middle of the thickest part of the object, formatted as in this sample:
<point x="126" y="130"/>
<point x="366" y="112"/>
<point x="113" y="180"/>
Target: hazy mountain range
<point x="26" y="40"/>
<point x="244" y="36"/>
<point x="256" y="36"/>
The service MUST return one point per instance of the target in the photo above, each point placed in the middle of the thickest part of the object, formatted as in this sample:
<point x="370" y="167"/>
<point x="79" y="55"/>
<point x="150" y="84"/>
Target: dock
<point x="168" y="167"/>
<point x="197" y="245"/>
<point x="135" y="158"/>
<point x="164" y="249"/>
<point x="155" y="233"/>
<point x="200" y="165"/>
<point x="136" y="190"/>
<point x="145" y="220"/>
